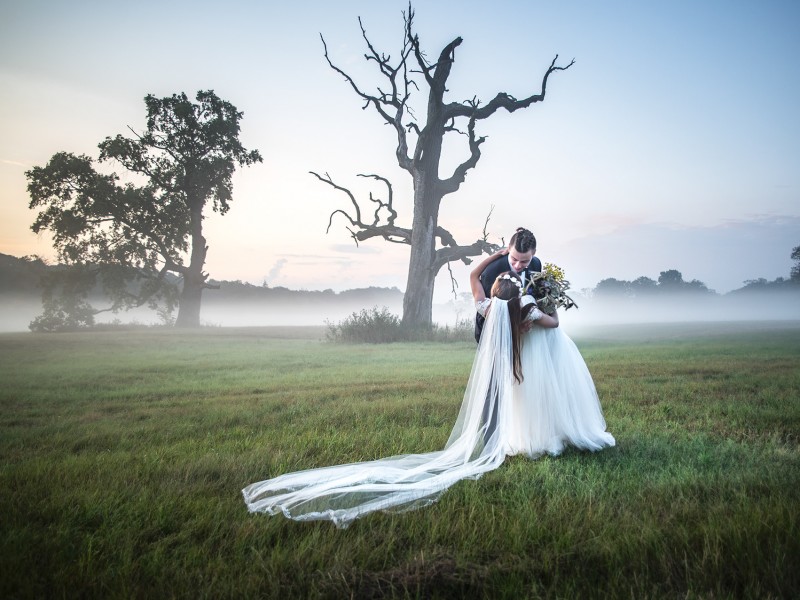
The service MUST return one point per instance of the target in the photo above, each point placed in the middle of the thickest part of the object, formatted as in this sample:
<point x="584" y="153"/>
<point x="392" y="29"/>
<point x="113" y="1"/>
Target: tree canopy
<point x="669" y="282"/>
<point x="128" y="238"/>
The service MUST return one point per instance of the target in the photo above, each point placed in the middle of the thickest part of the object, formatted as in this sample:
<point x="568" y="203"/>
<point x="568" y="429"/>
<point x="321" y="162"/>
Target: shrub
<point x="63" y="314"/>
<point x="373" y="326"/>
<point x="379" y="326"/>
<point x="462" y="331"/>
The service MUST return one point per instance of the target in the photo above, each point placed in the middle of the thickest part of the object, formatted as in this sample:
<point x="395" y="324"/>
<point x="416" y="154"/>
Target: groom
<point x="520" y="260"/>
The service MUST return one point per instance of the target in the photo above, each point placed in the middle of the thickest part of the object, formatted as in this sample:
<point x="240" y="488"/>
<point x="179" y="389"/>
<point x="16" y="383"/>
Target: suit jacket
<point x="488" y="276"/>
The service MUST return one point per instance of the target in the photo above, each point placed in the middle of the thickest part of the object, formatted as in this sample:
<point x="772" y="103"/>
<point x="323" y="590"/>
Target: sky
<point x="673" y="142"/>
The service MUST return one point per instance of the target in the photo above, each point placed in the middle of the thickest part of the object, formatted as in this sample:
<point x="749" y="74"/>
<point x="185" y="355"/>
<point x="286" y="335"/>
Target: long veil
<point x="477" y="444"/>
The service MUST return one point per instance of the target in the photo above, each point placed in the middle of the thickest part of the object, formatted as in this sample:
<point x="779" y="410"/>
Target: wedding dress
<point x="487" y="429"/>
<point x="556" y="404"/>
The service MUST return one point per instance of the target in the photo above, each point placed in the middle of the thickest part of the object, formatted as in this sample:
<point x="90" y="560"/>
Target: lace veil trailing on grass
<point x="346" y="492"/>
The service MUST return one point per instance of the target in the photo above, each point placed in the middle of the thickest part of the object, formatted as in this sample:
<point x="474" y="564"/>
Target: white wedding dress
<point x="555" y="405"/>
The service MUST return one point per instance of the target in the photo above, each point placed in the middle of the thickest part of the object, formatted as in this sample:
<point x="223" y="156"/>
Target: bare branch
<point x="445" y="236"/>
<point x="341" y="212"/>
<point x="387" y="205"/>
<point x="472" y="110"/>
<point x="462" y="253"/>
<point x="413" y="40"/>
<point x="384" y="103"/>
<point x="453" y="282"/>
<point x="503" y="100"/>
<point x="452" y="251"/>
<point x="368" y="99"/>
<point x="450" y="126"/>
<point x="363" y="231"/>
<point x="412" y="126"/>
<point x="382" y="59"/>
<point x="486" y="224"/>
<point x="327" y="179"/>
<point x="450" y="185"/>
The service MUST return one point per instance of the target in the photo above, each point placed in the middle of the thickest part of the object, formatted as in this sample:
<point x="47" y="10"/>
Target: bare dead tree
<point x="419" y="151"/>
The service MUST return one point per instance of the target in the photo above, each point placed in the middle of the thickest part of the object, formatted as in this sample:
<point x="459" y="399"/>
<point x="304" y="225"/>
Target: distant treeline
<point x="23" y="277"/>
<point x="671" y="282"/>
<point x="233" y="292"/>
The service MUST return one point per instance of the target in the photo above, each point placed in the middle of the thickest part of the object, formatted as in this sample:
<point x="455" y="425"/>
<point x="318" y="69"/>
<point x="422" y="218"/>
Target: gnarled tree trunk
<point x="418" y="299"/>
<point x="391" y="103"/>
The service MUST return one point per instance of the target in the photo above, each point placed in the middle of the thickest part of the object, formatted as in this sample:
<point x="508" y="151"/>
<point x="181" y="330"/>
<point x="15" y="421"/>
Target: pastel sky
<point x="672" y="143"/>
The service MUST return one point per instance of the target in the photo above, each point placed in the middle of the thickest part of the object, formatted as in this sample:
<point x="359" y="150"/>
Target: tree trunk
<point x="193" y="278"/>
<point x="189" y="303"/>
<point x="418" y="299"/>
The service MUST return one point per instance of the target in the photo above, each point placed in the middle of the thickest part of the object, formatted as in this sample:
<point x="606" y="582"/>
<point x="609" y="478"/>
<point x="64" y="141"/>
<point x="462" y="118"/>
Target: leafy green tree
<point x="795" y="273"/>
<point x="67" y="310"/>
<point x="671" y="280"/>
<point x="643" y="287"/>
<point x="143" y="243"/>
<point x="612" y="288"/>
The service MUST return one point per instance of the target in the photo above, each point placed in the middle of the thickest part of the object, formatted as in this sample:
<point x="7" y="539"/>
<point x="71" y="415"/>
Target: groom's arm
<point x="478" y="287"/>
<point x="491" y="272"/>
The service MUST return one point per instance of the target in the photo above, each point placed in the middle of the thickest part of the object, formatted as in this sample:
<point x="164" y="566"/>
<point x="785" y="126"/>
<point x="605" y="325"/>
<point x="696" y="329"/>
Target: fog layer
<point x="16" y="312"/>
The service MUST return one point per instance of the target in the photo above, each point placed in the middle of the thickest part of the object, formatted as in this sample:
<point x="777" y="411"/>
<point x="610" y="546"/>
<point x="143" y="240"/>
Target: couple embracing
<point x="529" y="392"/>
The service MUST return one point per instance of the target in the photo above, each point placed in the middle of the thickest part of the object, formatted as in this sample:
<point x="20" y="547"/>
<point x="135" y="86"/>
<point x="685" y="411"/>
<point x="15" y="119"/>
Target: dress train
<point x="487" y="429"/>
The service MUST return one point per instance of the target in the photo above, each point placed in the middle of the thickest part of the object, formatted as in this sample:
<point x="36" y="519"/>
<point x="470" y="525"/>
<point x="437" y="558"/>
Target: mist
<point x="17" y="311"/>
<point x="685" y="308"/>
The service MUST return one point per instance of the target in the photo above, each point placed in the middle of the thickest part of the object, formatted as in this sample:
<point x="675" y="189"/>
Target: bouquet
<point x="548" y="288"/>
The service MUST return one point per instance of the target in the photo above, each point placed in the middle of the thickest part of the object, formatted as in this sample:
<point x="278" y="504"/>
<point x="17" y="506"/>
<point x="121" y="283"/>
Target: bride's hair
<point x="509" y="289"/>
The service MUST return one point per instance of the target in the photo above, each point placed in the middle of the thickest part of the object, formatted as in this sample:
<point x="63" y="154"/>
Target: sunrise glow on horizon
<point x="672" y="143"/>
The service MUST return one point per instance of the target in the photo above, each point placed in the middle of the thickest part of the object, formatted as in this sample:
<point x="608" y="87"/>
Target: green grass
<point x="123" y="454"/>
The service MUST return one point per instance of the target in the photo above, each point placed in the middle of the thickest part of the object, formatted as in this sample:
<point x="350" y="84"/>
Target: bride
<point x="528" y="393"/>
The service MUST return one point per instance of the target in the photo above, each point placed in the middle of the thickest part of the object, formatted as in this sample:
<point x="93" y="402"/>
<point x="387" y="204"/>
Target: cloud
<point x="14" y="163"/>
<point x="275" y="271"/>
<point x="353" y="249"/>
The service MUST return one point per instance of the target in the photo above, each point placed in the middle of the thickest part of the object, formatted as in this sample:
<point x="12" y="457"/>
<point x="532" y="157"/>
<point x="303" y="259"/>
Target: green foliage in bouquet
<point x="549" y="289"/>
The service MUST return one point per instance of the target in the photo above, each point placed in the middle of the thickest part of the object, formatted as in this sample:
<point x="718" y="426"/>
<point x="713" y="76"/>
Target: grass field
<point x="123" y="455"/>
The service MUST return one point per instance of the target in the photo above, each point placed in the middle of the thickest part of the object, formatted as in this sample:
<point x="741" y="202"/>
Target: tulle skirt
<point x="556" y="404"/>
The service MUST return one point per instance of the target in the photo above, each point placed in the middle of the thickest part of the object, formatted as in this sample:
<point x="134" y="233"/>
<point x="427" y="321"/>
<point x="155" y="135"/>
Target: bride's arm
<point x="475" y="276"/>
<point x="538" y="317"/>
<point x="548" y="321"/>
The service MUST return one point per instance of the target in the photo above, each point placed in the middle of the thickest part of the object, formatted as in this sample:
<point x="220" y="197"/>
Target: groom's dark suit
<point x="488" y="276"/>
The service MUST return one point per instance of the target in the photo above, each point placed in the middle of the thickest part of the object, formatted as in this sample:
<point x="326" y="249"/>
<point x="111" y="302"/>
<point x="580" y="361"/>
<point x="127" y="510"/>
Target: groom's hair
<point x="523" y="240"/>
